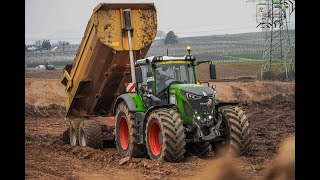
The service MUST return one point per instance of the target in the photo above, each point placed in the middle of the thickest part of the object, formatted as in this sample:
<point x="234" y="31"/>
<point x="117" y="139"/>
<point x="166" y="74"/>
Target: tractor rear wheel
<point x="126" y="133"/>
<point x="239" y="135"/>
<point x="165" y="137"/>
<point x="73" y="132"/>
<point x="90" y="134"/>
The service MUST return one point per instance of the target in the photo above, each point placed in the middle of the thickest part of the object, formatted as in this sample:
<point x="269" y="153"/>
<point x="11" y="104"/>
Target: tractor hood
<point x="193" y="90"/>
<point x="190" y="97"/>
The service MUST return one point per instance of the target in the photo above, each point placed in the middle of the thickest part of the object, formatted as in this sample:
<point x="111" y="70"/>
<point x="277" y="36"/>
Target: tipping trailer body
<point x="101" y="66"/>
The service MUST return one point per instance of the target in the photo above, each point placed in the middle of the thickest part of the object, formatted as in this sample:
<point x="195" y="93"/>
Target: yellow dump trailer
<point x="102" y="66"/>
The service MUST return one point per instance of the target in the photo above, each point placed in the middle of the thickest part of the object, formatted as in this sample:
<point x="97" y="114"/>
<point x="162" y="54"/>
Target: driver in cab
<point x="162" y="77"/>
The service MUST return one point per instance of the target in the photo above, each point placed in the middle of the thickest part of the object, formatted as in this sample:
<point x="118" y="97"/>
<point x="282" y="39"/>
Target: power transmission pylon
<point x="278" y="56"/>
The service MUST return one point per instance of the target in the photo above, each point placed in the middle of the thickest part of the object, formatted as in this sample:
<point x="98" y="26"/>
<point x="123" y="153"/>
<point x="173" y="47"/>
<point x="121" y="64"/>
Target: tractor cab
<point x="165" y="71"/>
<point x="173" y="81"/>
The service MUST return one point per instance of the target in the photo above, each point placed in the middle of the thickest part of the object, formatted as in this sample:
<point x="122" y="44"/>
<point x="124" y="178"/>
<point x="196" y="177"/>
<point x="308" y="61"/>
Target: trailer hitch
<point x="214" y="131"/>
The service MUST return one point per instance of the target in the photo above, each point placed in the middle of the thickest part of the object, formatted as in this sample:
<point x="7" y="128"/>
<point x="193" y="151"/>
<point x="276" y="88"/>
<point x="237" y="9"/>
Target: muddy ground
<point x="48" y="158"/>
<point x="269" y="106"/>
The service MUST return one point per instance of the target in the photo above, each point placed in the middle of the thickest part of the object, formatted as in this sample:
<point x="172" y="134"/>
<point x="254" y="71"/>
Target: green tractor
<point x="169" y="112"/>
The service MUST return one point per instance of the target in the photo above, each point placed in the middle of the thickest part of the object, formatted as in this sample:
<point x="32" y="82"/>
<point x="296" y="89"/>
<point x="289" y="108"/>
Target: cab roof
<point x="165" y="58"/>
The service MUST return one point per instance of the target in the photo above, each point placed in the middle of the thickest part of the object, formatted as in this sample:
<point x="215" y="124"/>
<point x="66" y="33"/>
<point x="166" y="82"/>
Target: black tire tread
<point x="137" y="150"/>
<point x="239" y="129"/>
<point x="93" y="133"/>
<point x="75" y="123"/>
<point x="173" y="147"/>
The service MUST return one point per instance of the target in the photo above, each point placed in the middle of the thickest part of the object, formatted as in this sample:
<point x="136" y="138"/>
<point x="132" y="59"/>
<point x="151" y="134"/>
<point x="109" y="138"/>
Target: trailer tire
<point x="90" y="134"/>
<point x="165" y="136"/>
<point x="126" y="133"/>
<point x="65" y="137"/>
<point x="239" y="135"/>
<point x="74" y="131"/>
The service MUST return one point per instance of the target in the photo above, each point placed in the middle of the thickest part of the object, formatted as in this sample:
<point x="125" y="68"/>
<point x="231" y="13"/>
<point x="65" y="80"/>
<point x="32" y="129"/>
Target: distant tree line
<point x="169" y="38"/>
<point x="46" y="45"/>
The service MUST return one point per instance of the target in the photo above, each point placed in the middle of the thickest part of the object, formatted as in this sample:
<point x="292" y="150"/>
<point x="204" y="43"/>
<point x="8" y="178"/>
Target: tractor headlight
<point x="172" y="99"/>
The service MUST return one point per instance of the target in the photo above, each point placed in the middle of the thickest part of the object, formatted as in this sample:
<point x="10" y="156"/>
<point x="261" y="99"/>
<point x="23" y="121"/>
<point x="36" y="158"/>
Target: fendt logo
<point x="192" y="96"/>
<point x="204" y="94"/>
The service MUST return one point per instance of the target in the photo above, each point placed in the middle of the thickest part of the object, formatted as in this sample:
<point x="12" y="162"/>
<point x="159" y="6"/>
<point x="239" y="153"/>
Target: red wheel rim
<point x="124" y="133"/>
<point x="154" y="141"/>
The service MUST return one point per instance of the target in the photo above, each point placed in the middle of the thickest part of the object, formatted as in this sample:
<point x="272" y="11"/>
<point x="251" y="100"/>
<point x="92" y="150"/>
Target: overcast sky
<point x="67" y="19"/>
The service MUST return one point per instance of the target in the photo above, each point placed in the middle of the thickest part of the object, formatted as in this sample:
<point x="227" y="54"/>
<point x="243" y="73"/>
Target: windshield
<point x="167" y="73"/>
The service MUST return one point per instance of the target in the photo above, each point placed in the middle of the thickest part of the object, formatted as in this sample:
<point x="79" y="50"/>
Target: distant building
<point x="41" y="67"/>
<point x="54" y="49"/>
<point x="32" y="48"/>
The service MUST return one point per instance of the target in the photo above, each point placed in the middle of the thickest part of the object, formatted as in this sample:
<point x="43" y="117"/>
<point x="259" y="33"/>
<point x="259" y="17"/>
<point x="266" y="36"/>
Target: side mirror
<point x="213" y="71"/>
<point x="138" y="74"/>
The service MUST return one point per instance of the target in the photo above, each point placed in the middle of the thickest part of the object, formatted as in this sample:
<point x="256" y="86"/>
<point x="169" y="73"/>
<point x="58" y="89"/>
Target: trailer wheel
<point x="73" y="132"/>
<point x="239" y="135"/>
<point x="90" y="134"/>
<point x="165" y="137"/>
<point x="65" y="137"/>
<point x="126" y="133"/>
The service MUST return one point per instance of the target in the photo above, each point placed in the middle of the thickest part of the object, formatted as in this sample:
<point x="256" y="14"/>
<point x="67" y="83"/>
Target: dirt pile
<point x="280" y="76"/>
<point x="252" y="91"/>
<point x="52" y="110"/>
<point x="50" y="91"/>
<point x="44" y="92"/>
<point x="224" y="168"/>
<point x="283" y="166"/>
<point x="221" y="168"/>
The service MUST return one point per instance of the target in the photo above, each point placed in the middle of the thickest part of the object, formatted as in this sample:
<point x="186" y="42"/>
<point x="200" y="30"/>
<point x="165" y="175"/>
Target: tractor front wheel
<point x="239" y="138"/>
<point x="165" y="137"/>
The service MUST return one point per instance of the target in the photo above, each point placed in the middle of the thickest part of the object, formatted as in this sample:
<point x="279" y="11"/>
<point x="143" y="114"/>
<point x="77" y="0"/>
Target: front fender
<point x="133" y="101"/>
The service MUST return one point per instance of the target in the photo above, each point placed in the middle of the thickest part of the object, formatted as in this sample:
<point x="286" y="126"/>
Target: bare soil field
<point x="244" y="71"/>
<point x="225" y="71"/>
<point x="44" y="91"/>
<point x="49" y="158"/>
<point x="269" y="106"/>
<point x="43" y="74"/>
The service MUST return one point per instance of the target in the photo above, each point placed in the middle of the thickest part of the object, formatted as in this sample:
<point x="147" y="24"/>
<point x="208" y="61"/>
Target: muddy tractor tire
<point x="165" y="137"/>
<point x="126" y="133"/>
<point x="239" y="135"/>
<point x="74" y="131"/>
<point x="90" y="134"/>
